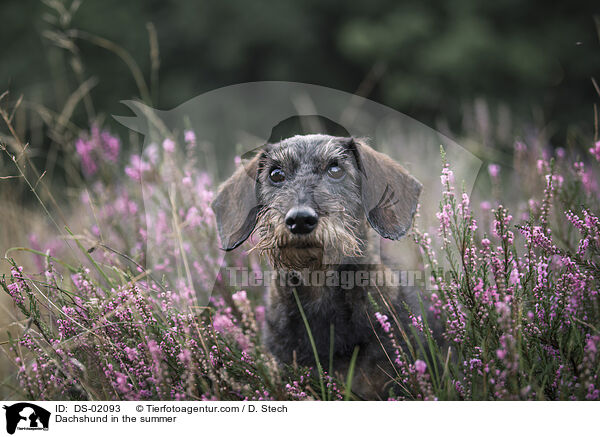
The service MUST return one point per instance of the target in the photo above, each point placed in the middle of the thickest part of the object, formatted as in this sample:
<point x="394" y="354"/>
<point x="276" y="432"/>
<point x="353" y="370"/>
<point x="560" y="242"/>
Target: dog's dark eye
<point x="335" y="171"/>
<point x="277" y="175"/>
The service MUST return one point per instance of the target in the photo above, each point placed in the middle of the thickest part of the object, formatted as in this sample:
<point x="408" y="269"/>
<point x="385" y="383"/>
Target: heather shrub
<point x="520" y="300"/>
<point x="110" y="326"/>
<point x="518" y="303"/>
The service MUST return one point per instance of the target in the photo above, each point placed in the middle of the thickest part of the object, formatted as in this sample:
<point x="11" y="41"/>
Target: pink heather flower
<point x="97" y="147"/>
<point x="447" y="178"/>
<point x="259" y="313"/>
<point x="168" y="145"/>
<point x="436" y="305"/>
<point x="237" y="161"/>
<point x="122" y="384"/>
<point x="533" y="205"/>
<point x="555" y="178"/>
<point x="222" y="323"/>
<point x="465" y="201"/>
<point x="501" y="353"/>
<point x="420" y="366"/>
<point x="485" y="205"/>
<point x="240" y="296"/>
<point x="111" y="146"/>
<point x="444" y="217"/>
<point x="242" y="340"/>
<point x="185" y="356"/>
<point x="190" y="137"/>
<point x="596" y="151"/>
<point x="586" y="177"/>
<point x="15" y="292"/>
<point x="494" y="170"/>
<point x="151" y="152"/>
<point x="84" y="150"/>
<point x="16" y="288"/>
<point x="153" y="347"/>
<point x="137" y="168"/>
<point x="132" y="354"/>
<point x="417" y="322"/>
<point x="187" y="179"/>
<point x="520" y="146"/>
<point x="193" y="217"/>
<point x="382" y="319"/>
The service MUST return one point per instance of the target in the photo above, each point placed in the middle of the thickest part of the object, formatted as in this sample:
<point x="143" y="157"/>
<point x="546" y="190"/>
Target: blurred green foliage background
<point x="430" y="60"/>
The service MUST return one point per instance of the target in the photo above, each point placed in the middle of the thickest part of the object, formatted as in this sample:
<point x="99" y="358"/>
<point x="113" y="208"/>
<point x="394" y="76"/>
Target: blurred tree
<point x="438" y="57"/>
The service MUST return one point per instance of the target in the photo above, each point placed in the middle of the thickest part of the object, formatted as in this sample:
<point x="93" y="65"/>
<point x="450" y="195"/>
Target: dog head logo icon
<point x="26" y="416"/>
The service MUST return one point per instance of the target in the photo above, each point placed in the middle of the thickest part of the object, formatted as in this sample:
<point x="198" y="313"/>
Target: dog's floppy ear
<point x="389" y="193"/>
<point x="236" y="206"/>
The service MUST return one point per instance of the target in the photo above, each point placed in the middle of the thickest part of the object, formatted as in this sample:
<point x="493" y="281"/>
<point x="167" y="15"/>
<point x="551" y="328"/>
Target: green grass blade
<point x="89" y="257"/>
<point x="350" y="375"/>
<point x="331" y="345"/>
<point x="45" y="255"/>
<point x="312" y="343"/>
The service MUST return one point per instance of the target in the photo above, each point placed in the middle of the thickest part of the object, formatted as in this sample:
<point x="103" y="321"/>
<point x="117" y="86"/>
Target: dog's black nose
<point x="301" y="220"/>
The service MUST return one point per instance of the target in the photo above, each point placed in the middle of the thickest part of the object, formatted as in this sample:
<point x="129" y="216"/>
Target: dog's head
<point x="311" y="195"/>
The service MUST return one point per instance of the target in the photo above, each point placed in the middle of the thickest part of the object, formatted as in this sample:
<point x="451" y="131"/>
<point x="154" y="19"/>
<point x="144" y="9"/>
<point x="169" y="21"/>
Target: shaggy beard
<point x="328" y="244"/>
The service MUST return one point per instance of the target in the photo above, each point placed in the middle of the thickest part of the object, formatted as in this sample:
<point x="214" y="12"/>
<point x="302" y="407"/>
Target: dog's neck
<point x="319" y="281"/>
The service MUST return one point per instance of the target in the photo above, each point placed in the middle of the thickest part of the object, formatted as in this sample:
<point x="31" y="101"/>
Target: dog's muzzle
<point x="301" y="220"/>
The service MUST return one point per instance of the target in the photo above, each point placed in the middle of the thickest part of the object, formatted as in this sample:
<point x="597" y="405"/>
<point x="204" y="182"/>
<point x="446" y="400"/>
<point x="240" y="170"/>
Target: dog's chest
<point x="344" y="311"/>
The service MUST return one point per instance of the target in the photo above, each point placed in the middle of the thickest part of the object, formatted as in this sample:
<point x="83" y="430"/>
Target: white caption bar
<point x="296" y="418"/>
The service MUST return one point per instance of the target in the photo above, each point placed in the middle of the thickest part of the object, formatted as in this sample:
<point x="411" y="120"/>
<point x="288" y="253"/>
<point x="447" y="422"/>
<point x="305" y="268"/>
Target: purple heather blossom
<point x="84" y="150"/>
<point x="259" y="313"/>
<point x="585" y="177"/>
<point x="17" y="288"/>
<point x="152" y="153"/>
<point x="494" y="170"/>
<point x="96" y="148"/>
<point x="436" y="305"/>
<point x="382" y="319"/>
<point x="190" y="138"/>
<point x="222" y="323"/>
<point x="240" y="297"/>
<point x="193" y="217"/>
<point x="447" y="179"/>
<point x="520" y="146"/>
<point x="168" y="145"/>
<point x="111" y="146"/>
<point x="187" y="179"/>
<point x="137" y="168"/>
<point x="595" y="151"/>
<point x="417" y="322"/>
